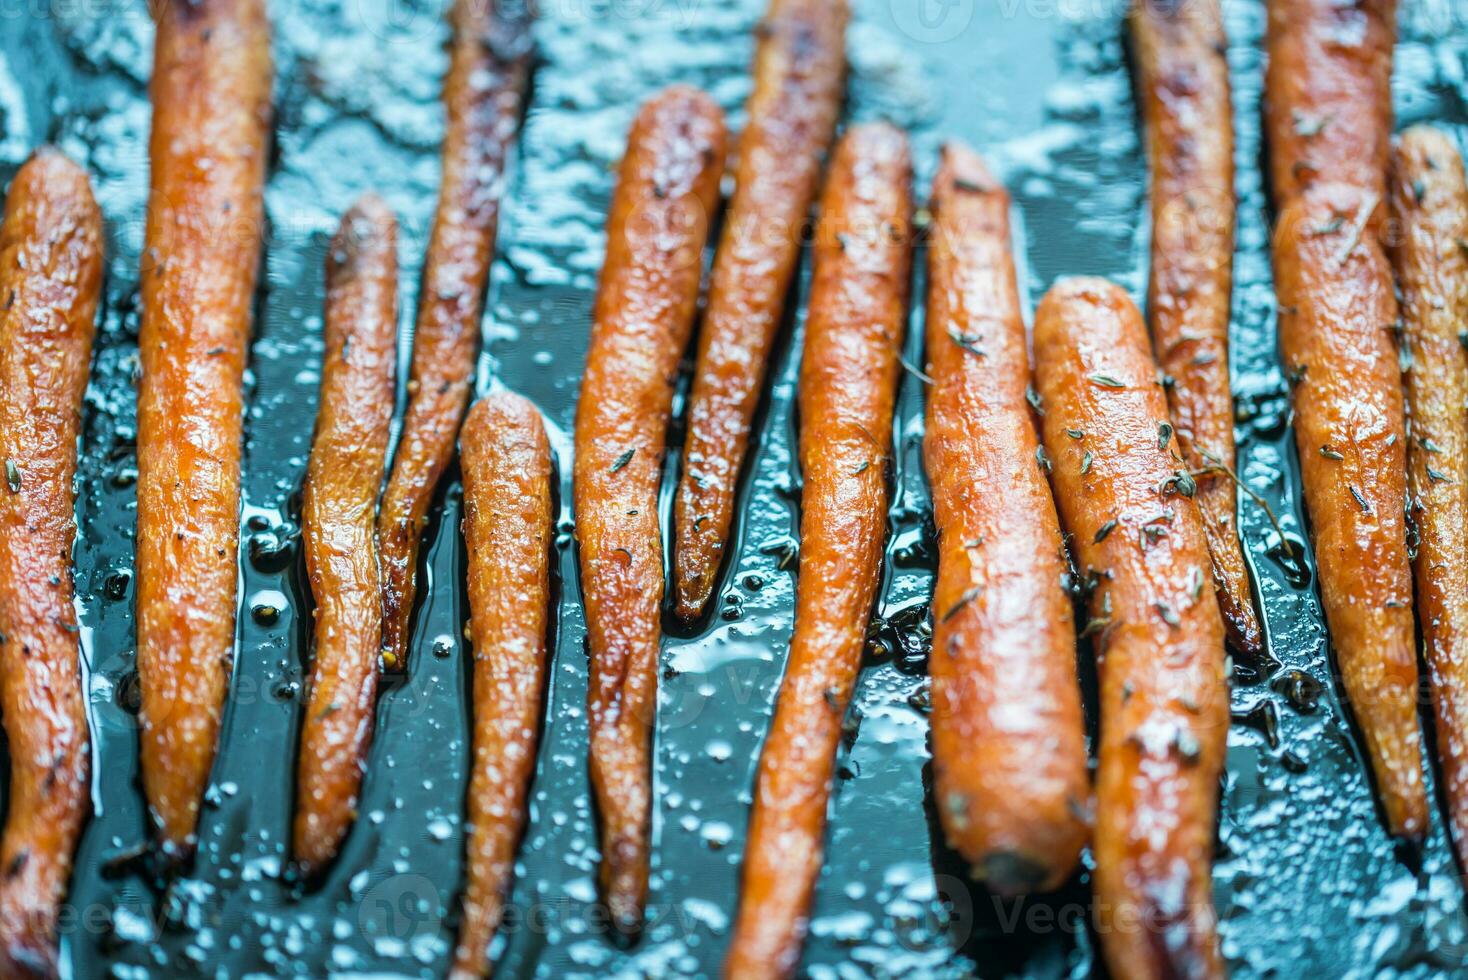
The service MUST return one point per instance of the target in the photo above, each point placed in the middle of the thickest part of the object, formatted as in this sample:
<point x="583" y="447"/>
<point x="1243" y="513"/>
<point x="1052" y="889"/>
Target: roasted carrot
<point x="848" y="381"/>
<point x="1329" y="122"/>
<point x="656" y="231"/>
<point x="1430" y="223"/>
<point x="1328" y="106"/>
<point x="507" y="527"/>
<point x="1129" y="504"/>
<point x="489" y="66"/>
<point x="1009" y="748"/>
<point x="1183" y="77"/>
<point x="211" y="122"/>
<point x="50" y="280"/>
<point x="338" y="525"/>
<point x="799" y="76"/>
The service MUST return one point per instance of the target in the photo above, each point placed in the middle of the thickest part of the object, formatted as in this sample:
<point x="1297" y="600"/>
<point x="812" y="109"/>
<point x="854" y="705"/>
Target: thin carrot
<point x="848" y="381"/>
<point x="656" y="231"/>
<point x="211" y="125"/>
<point x="1009" y="746"/>
<point x="1429" y="201"/>
<point x="50" y="280"/>
<point x="508" y="528"/>
<point x="338" y="525"/>
<point x="799" y="76"/>
<point x="489" y="67"/>
<point x="1127" y="500"/>
<point x="1183" y="69"/>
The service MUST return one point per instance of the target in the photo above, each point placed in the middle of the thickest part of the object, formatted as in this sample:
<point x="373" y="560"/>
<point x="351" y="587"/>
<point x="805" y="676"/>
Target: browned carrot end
<point x="1429" y="206"/>
<point x="508" y="524"/>
<point x="342" y="482"/>
<point x="50" y="279"/>
<point x="1009" y="751"/>
<point x="799" y="76"/>
<point x="657" y="227"/>
<point x="483" y="94"/>
<point x="848" y="379"/>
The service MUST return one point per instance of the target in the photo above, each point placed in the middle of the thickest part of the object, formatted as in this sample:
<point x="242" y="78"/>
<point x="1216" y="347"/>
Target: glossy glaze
<point x="507" y="530"/>
<point x="848" y="380"/>
<point x="1009" y="749"/>
<point x="1183" y="89"/>
<point x="1429" y="207"/>
<point x="338" y="526"/>
<point x="483" y="96"/>
<point x="657" y="228"/>
<point x="1140" y="550"/>
<point x="50" y="281"/>
<point x="799" y="76"/>
<point x="211" y="92"/>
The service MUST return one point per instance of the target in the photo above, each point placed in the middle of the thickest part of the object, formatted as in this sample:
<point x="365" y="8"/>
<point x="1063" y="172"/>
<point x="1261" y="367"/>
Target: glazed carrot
<point x="1183" y="77"/>
<point x="1129" y="504"/>
<point x="1430" y="217"/>
<point x="799" y="76"/>
<point x="1009" y="747"/>
<point x="656" y="232"/>
<point x="338" y="514"/>
<point x="1328" y="106"/>
<point x="50" y="279"/>
<point x="848" y="380"/>
<point x="211" y="123"/>
<point x="489" y="66"/>
<point x="1329" y="120"/>
<point x="507" y="527"/>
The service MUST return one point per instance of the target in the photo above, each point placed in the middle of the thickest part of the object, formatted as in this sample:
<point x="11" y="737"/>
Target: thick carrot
<point x="1328" y="105"/>
<point x="848" y="380"/>
<point x="656" y="231"/>
<point x="508" y="528"/>
<point x="1183" y="77"/>
<point x="1430" y="223"/>
<point x="489" y="66"/>
<point x="1129" y="504"/>
<point x="338" y="524"/>
<point x="1329" y="121"/>
<point x="50" y="279"/>
<point x="799" y="75"/>
<point x="1009" y="747"/>
<point x="211" y="122"/>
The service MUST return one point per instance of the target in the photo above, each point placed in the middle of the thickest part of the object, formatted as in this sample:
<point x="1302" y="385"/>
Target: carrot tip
<point x="1011" y="873"/>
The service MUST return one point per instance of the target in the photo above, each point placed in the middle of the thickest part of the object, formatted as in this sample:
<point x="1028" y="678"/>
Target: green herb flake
<point x="1033" y="397"/>
<point x="1428" y="445"/>
<point x="1106" y="381"/>
<point x="963" y="600"/>
<point x="623" y="460"/>
<point x="1437" y="477"/>
<point x="1308" y="126"/>
<point x="1104" y="530"/>
<point x="866" y="465"/>
<point x="1360" y="500"/>
<point x="1329" y="453"/>
<point x="1169" y="616"/>
<point x="1164" y="434"/>
<point x="1076" y="433"/>
<point x="12" y="476"/>
<point x="1042" y="458"/>
<point x="1086" y="459"/>
<point x="969" y="342"/>
<point x="1197" y="583"/>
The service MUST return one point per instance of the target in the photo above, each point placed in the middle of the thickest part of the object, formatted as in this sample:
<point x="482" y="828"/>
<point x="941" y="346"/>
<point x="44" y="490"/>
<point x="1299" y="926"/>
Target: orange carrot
<point x="656" y="232"/>
<point x="211" y="127"/>
<point x="489" y="66"/>
<point x="338" y="525"/>
<point x="50" y="280"/>
<point x="848" y="381"/>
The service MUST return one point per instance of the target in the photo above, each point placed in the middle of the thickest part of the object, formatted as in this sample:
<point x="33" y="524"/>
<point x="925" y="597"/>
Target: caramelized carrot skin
<point x="50" y="279"/>
<point x="1337" y="311"/>
<point x="338" y="525"/>
<point x="656" y="232"/>
<point x="1159" y="636"/>
<point x="848" y="380"/>
<point x="1183" y="76"/>
<point x="1430" y="221"/>
<point x="489" y="66"/>
<point x="211" y="118"/>
<point x="507" y="527"/>
<point x="1328" y="109"/>
<point x="1009" y="749"/>
<point x="799" y="78"/>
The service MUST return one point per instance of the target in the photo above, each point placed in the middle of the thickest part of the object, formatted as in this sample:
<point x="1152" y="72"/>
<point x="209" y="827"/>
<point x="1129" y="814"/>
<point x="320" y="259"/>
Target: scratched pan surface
<point x="1305" y="878"/>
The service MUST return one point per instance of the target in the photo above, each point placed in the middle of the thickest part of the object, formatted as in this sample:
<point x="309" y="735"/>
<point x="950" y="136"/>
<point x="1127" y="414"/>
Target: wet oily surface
<point x="1305" y="877"/>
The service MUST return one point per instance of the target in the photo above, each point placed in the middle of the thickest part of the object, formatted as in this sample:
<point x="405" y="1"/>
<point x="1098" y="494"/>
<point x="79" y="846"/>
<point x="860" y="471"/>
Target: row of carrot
<point x="1130" y="456"/>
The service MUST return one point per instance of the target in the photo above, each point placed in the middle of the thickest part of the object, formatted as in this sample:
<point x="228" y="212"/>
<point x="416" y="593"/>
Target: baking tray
<point x="1305" y="879"/>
